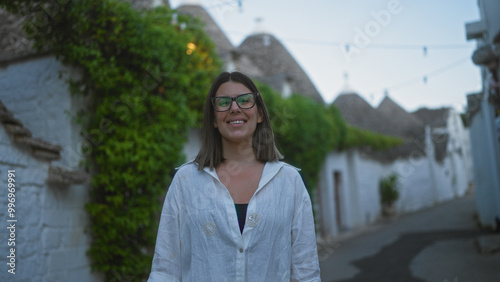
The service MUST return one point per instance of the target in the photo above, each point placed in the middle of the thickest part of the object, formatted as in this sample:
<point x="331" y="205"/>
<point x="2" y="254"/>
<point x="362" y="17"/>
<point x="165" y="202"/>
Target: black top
<point x="241" y="212"/>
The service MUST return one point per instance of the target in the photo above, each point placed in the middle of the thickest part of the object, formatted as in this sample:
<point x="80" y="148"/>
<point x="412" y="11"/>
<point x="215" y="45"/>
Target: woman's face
<point x="236" y="125"/>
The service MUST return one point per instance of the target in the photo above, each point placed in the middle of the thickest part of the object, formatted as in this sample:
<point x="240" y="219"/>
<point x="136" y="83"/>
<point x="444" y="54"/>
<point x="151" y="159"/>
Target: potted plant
<point x="389" y="193"/>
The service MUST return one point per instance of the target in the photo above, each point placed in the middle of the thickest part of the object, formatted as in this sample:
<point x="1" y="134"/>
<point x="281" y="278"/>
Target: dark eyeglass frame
<point x="235" y="99"/>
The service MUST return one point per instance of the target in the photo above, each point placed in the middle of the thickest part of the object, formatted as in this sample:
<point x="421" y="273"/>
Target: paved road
<point x="436" y="244"/>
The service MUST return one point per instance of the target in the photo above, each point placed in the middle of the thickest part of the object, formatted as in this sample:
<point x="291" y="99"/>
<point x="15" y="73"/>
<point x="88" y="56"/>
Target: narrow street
<point x="436" y="244"/>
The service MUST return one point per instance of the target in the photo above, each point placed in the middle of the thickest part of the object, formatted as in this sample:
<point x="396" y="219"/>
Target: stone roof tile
<point x="276" y="63"/>
<point x="390" y="119"/>
<point x="402" y="123"/>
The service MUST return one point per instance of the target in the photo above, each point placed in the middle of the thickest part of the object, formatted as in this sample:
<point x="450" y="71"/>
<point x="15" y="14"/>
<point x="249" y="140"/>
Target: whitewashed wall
<point x="326" y="197"/>
<point x="469" y="164"/>
<point x="423" y="182"/>
<point x="486" y="177"/>
<point x="29" y="195"/>
<point x="368" y="172"/>
<point x="358" y="192"/>
<point x="459" y="153"/>
<point x="51" y="241"/>
<point x="193" y="145"/>
<point x="443" y="175"/>
<point x="417" y="189"/>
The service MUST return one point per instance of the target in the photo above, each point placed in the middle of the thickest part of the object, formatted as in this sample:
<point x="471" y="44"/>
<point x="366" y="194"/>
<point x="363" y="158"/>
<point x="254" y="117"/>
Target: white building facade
<point x="484" y="113"/>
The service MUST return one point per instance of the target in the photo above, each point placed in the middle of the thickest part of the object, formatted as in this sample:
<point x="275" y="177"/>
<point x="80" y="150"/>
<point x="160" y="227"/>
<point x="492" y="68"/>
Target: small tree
<point x="389" y="193"/>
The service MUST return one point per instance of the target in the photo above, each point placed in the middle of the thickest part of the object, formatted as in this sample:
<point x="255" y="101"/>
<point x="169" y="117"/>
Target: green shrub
<point x="388" y="188"/>
<point x="357" y="137"/>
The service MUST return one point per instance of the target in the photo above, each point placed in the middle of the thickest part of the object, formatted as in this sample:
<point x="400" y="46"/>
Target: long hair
<point x="263" y="144"/>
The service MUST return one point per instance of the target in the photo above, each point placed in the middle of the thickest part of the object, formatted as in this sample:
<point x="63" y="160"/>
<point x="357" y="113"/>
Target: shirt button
<point x="241" y="250"/>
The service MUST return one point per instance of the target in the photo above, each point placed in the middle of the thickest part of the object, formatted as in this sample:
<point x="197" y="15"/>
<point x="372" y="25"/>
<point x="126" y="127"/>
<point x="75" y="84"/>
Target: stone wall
<point x="51" y="238"/>
<point x="13" y="42"/>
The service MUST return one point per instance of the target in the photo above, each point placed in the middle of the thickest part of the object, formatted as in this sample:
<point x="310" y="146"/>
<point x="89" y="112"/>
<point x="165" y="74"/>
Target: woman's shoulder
<point x="290" y="167"/>
<point x="290" y="174"/>
<point x="187" y="165"/>
<point x="282" y="168"/>
<point x="189" y="168"/>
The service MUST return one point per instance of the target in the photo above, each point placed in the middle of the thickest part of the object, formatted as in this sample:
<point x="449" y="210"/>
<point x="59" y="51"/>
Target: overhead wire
<point x="425" y="47"/>
<point x="425" y="77"/>
<point x="347" y="45"/>
<point x="444" y="46"/>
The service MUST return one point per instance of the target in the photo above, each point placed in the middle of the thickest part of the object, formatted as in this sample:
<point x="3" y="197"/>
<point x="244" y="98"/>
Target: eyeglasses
<point x="244" y="101"/>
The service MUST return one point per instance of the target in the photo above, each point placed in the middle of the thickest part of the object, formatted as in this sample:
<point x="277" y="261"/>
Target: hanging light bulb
<point x="191" y="47"/>
<point x="240" y="5"/>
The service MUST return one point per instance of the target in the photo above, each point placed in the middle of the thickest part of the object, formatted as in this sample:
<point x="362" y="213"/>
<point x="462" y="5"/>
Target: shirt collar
<point x="270" y="170"/>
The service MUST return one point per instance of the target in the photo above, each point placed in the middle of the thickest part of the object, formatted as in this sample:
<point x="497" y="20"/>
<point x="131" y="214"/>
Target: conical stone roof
<point x="357" y="112"/>
<point x="434" y="117"/>
<point x="277" y="64"/>
<point x="13" y="41"/>
<point x="402" y="123"/>
<point x="388" y="119"/>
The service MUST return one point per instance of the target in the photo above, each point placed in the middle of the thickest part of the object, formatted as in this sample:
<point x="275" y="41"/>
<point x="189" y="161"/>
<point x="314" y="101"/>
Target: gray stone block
<point x="52" y="238"/>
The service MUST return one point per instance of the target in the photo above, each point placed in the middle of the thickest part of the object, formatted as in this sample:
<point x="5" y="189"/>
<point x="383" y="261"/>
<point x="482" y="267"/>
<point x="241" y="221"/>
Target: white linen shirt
<point x="199" y="237"/>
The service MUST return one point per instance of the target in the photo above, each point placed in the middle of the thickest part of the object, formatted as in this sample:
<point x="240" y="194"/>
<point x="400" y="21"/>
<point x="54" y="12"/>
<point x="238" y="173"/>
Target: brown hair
<point x="263" y="143"/>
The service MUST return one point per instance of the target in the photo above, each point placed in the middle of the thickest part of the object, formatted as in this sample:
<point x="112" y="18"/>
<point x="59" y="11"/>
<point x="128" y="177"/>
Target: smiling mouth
<point x="236" y="122"/>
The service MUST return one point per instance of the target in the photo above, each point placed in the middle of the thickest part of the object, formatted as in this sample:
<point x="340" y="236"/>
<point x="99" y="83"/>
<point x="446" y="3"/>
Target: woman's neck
<point x="238" y="152"/>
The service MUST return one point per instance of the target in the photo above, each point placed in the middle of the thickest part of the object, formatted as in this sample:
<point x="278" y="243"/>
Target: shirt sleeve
<point x="305" y="264"/>
<point x="167" y="257"/>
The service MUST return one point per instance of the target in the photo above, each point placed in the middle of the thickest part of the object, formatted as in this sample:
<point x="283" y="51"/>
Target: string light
<point x="426" y="77"/>
<point x="423" y="47"/>
<point x="347" y="45"/>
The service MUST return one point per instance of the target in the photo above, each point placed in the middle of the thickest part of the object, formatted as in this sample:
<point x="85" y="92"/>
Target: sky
<point x="415" y="51"/>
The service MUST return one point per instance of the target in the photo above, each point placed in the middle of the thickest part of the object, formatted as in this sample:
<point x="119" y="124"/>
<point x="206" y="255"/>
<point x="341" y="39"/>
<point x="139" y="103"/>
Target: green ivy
<point x="145" y="89"/>
<point x="307" y="131"/>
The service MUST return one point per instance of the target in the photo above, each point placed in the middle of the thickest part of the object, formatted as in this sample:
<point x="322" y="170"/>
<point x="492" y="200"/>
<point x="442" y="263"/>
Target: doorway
<point x="337" y="183"/>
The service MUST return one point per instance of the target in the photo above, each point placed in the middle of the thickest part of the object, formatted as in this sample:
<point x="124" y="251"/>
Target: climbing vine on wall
<point x="144" y="77"/>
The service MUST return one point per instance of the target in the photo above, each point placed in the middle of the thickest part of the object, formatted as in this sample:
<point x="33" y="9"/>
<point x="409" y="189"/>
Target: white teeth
<point x="236" y="122"/>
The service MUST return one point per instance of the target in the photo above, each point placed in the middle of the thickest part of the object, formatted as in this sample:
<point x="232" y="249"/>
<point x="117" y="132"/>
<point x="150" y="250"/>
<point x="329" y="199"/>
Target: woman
<point x="236" y="213"/>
